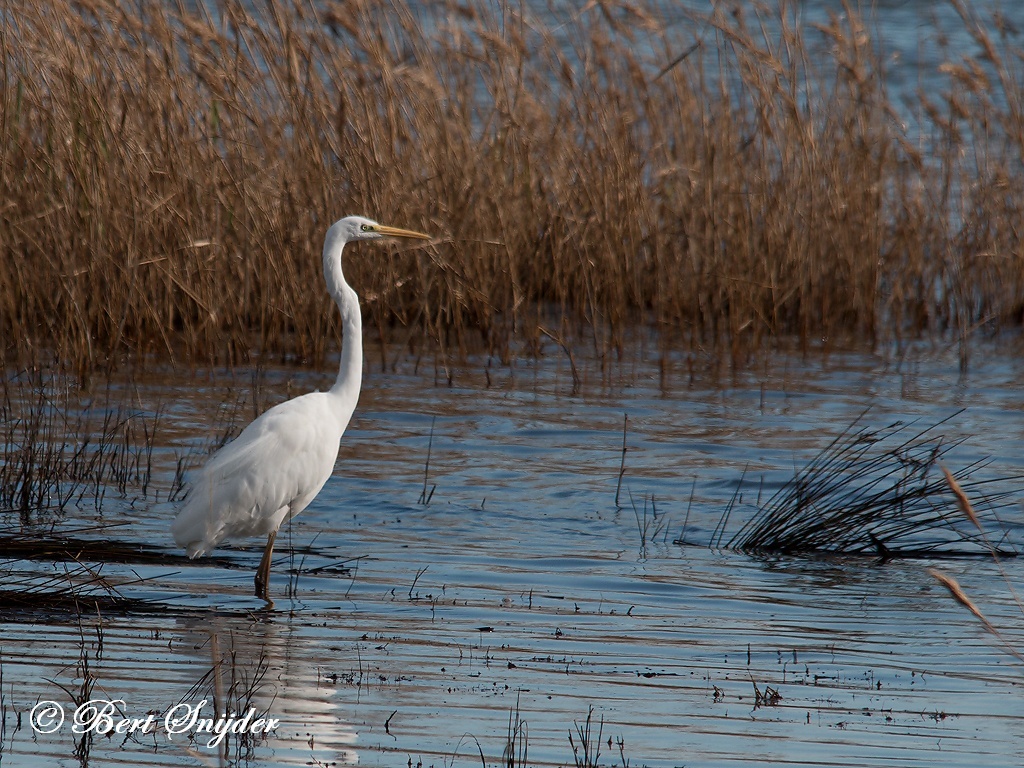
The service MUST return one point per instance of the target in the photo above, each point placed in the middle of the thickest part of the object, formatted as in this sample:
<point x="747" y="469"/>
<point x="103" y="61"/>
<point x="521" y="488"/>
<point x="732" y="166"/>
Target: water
<point x="405" y="633"/>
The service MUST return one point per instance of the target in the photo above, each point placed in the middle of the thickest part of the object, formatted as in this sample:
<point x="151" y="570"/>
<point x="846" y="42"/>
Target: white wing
<point x="267" y="474"/>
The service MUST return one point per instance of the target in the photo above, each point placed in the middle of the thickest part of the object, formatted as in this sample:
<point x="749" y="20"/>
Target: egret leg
<point x="263" y="572"/>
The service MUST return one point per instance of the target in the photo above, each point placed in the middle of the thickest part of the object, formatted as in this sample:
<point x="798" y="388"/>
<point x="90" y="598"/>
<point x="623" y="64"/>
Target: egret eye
<point x="367" y="228"/>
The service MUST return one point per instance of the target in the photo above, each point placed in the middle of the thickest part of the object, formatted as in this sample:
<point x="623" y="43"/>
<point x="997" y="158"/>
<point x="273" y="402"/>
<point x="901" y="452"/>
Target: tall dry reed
<point x="167" y="173"/>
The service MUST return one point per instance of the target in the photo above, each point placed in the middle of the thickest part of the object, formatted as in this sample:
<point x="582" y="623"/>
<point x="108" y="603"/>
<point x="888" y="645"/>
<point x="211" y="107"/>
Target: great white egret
<point x="277" y="466"/>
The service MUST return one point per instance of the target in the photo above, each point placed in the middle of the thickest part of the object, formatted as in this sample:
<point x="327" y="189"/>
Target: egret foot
<point x="262" y="581"/>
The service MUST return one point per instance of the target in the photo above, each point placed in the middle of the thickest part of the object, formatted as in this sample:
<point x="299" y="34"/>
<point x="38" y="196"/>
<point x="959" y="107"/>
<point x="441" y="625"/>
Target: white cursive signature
<point x="105" y="716"/>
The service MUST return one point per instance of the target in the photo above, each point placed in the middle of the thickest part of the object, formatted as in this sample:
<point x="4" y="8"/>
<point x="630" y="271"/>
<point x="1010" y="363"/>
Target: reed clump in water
<point x="79" y="590"/>
<point x="167" y="173"/>
<point x="876" y="491"/>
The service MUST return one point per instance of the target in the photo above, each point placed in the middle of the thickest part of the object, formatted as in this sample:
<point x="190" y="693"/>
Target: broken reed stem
<point x="576" y="380"/>
<point x="412" y="586"/>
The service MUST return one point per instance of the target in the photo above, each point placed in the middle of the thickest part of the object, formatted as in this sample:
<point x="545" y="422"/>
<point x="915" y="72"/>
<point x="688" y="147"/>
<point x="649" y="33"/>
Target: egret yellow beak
<point x="396" y="232"/>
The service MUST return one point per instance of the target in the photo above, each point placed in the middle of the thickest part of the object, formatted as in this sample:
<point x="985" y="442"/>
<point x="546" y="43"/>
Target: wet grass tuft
<point x="52" y="546"/>
<point x="878" y="491"/>
<point x="78" y="590"/>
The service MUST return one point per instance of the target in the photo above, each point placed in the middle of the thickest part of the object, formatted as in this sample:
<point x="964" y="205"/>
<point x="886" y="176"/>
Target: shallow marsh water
<point x="405" y="633"/>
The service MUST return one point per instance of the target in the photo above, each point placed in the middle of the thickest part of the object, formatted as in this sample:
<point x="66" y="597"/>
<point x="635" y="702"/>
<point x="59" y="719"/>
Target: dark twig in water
<point x="686" y="520"/>
<point x="622" y="463"/>
<point x="645" y="523"/>
<point x="387" y="725"/>
<point x="424" y="496"/>
<point x="419" y="573"/>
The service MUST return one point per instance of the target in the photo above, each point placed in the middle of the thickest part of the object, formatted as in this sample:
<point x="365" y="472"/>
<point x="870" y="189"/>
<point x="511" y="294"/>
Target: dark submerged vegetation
<point x="167" y="172"/>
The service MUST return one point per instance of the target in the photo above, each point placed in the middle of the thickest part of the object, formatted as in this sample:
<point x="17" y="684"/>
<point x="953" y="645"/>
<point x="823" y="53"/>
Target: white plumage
<point x="267" y="475"/>
<point x="279" y="463"/>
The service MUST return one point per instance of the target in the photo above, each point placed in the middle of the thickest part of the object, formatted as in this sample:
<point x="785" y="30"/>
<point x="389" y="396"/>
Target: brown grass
<point x="166" y="176"/>
<point x="958" y="594"/>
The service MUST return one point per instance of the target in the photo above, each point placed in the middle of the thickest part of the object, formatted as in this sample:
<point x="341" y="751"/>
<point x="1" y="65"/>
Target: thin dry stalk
<point x="961" y="597"/>
<point x="968" y="510"/>
<point x="586" y="748"/>
<point x="962" y="501"/>
<point x="517" y="740"/>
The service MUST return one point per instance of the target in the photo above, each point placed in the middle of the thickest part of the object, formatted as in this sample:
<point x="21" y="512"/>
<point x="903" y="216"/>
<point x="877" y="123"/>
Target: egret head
<point x="353" y="228"/>
<point x="348" y="230"/>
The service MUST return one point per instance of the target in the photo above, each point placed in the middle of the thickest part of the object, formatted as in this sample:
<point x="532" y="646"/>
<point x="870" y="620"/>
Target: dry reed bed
<point x="167" y="173"/>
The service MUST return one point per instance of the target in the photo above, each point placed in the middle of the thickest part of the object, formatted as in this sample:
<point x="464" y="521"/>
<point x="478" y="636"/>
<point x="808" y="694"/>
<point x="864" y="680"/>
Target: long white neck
<point x="350" y="370"/>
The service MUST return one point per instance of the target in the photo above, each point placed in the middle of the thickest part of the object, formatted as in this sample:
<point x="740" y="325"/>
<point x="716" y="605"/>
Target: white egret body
<point x="277" y="466"/>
